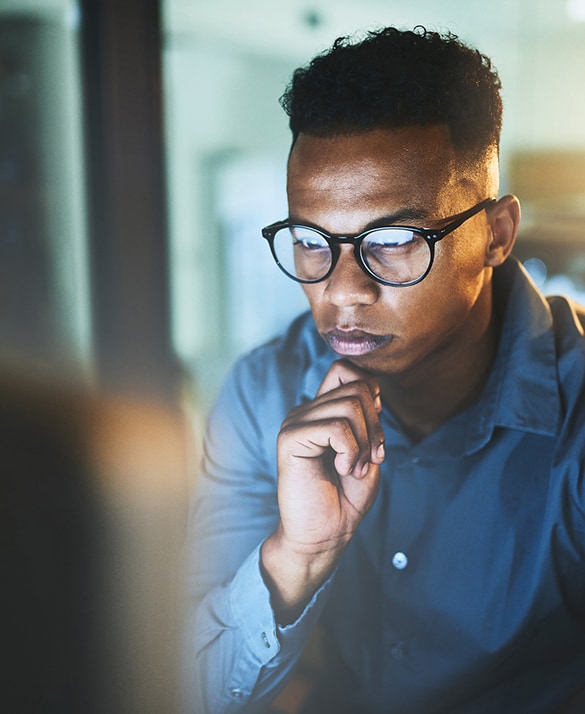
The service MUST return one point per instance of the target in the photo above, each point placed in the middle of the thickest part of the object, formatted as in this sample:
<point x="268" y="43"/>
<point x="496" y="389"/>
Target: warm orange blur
<point x="94" y="495"/>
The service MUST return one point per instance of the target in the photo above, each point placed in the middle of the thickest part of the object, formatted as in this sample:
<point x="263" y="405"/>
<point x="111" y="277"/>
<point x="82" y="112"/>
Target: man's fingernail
<point x="365" y="469"/>
<point x="381" y="452"/>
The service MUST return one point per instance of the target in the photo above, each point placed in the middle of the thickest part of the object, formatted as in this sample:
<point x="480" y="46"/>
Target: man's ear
<point x="504" y="221"/>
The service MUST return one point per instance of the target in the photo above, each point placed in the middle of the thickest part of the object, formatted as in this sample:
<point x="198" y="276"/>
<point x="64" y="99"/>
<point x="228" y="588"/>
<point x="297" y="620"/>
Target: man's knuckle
<point x="354" y="402"/>
<point x="286" y="430"/>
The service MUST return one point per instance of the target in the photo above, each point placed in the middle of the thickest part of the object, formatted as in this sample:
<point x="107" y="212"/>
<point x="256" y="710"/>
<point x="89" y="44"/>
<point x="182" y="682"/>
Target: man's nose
<point x="348" y="284"/>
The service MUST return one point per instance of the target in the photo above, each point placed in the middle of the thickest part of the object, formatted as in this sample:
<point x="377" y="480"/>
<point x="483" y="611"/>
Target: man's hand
<point x="329" y="452"/>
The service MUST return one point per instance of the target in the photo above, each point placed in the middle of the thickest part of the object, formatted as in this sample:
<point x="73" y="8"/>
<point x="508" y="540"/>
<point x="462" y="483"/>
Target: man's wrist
<point x="293" y="575"/>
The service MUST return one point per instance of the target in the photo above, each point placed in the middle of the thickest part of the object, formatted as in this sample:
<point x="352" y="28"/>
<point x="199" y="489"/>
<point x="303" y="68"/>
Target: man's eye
<point x="389" y="239"/>
<point x="309" y="243"/>
<point x="388" y="242"/>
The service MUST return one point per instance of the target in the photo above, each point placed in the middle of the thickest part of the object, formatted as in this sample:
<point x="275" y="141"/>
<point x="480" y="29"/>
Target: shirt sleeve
<point x="237" y="657"/>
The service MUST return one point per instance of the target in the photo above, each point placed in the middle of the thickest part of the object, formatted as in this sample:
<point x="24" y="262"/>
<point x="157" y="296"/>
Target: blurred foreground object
<point x="92" y="499"/>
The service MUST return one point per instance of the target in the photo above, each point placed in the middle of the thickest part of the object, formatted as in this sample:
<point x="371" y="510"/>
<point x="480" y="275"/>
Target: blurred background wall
<point x="44" y="274"/>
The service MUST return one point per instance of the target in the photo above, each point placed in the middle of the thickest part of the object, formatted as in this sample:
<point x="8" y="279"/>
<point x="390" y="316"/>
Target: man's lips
<point x="354" y="342"/>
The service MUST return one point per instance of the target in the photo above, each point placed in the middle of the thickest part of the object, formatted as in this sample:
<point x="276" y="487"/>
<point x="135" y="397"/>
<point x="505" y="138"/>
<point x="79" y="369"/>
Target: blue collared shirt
<point x="463" y="591"/>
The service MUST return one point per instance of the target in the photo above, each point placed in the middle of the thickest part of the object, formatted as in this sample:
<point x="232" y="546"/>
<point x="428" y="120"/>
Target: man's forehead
<point x="376" y="158"/>
<point x="374" y="151"/>
<point x="410" y="157"/>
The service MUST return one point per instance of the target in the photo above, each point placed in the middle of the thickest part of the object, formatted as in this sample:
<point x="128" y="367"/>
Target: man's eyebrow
<point x="403" y="217"/>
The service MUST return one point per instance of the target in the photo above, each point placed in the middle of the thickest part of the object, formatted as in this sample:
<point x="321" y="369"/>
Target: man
<point x="406" y="463"/>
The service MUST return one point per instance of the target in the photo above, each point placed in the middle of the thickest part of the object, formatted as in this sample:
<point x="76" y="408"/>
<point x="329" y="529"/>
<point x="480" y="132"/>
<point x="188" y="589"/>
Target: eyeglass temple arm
<point x="467" y="214"/>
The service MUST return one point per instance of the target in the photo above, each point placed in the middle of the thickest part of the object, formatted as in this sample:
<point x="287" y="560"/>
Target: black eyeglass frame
<point x="430" y="235"/>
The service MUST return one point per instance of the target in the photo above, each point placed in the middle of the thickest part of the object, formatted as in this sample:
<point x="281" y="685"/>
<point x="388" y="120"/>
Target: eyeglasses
<point x="393" y="255"/>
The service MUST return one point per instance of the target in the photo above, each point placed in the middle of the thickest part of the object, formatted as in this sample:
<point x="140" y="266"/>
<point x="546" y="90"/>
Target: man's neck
<point x="427" y="397"/>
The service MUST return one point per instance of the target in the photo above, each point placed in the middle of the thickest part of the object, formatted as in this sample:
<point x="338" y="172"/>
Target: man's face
<point x="410" y="176"/>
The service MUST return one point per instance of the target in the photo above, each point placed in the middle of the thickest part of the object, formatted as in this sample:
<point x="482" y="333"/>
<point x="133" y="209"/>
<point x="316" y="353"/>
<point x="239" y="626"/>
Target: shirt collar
<point x="524" y="375"/>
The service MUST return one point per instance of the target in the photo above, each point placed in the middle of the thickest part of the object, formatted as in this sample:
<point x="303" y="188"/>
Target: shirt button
<point x="237" y="693"/>
<point x="399" y="561"/>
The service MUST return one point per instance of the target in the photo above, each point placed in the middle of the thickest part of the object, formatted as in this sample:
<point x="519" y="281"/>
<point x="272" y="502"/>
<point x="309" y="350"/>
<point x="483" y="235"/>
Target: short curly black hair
<point x="398" y="78"/>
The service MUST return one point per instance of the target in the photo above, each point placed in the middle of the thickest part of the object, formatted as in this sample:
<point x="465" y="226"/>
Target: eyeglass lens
<point x="392" y="254"/>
